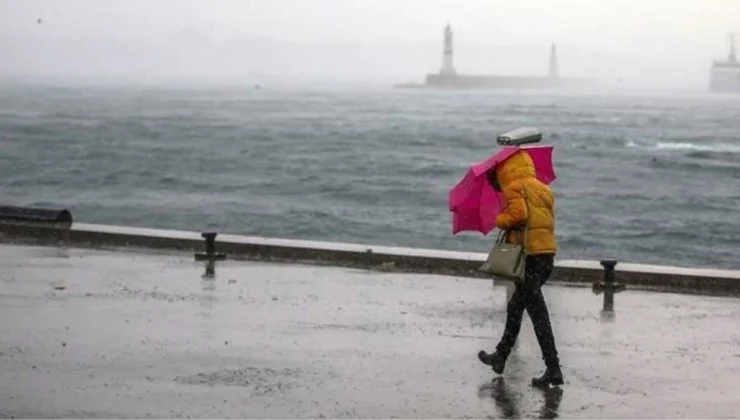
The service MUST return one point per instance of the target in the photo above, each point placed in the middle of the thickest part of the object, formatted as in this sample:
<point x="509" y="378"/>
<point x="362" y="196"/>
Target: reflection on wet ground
<point x="509" y="399"/>
<point x="111" y="334"/>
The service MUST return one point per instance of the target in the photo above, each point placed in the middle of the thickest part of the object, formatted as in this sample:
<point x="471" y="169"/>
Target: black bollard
<point x="210" y="238"/>
<point x="608" y="286"/>
<point x="210" y="254"/>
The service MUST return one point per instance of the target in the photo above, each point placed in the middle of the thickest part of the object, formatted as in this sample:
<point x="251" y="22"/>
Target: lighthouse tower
<point x="553" y="73"/>
<point x="448" y="68"/>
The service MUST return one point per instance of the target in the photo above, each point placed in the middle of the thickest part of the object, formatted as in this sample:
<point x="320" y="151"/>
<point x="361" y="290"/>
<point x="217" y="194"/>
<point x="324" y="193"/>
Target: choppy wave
<point x="650" y="180"/>
<point x="717" y="148"/>
<point x="684" y="146"/>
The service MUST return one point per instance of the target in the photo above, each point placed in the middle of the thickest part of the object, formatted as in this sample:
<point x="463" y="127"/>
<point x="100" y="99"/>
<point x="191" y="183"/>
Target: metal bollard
<point x="210" y="254"/>
<point x="607" y="285"/>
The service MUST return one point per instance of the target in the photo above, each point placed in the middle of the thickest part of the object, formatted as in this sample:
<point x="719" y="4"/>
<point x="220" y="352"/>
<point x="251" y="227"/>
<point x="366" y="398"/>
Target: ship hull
<point x="724" y="86"/>
<point x="725" y="82"/>
<point x="725" y="77"/>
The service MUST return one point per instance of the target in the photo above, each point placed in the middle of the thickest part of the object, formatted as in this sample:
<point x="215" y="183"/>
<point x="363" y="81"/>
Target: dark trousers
<point x="528" y="296"/>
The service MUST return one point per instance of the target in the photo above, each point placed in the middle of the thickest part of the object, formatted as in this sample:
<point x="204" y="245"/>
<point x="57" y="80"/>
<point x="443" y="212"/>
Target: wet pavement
<point x="112" y="334"/>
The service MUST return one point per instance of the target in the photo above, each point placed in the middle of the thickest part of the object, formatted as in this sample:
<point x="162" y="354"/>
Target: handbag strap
<point x="526" y="224"/>
<point x="502" y="233"/>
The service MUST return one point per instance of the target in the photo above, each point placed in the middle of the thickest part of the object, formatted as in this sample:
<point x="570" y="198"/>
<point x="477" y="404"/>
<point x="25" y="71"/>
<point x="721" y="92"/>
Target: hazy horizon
<point x="663" y="44"/>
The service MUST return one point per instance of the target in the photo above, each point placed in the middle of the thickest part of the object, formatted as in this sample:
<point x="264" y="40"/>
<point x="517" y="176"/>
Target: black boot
<point x="495" y="360"/>
<point x="552" y="376"/>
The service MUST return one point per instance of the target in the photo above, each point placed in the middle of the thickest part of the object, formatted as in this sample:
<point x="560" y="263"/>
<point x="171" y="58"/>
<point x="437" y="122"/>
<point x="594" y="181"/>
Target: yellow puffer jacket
<point x="516" y="176"/>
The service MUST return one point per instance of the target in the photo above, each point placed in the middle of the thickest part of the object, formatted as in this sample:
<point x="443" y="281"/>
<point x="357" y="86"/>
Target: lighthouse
<point x="448" y="78"/>
<point x="553" y="73"/>
<point x="448" y="69"/>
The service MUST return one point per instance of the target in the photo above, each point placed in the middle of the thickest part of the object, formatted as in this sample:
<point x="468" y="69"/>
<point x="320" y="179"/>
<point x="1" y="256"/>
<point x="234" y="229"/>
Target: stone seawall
<point x="635" y="276"/>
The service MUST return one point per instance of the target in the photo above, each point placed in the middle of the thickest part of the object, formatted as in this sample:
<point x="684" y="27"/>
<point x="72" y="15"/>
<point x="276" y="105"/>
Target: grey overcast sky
<point x="648" y="41"/>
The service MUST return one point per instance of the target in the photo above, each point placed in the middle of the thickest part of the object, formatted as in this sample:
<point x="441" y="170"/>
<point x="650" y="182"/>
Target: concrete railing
<point x="640" y="276"/>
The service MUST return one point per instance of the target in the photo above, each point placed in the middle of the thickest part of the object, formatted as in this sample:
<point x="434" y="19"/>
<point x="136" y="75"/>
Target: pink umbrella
<point x="475" y="205"/>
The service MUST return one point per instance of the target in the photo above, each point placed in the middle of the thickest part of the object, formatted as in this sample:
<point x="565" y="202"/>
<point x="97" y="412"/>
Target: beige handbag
<point x="508" y="261"/>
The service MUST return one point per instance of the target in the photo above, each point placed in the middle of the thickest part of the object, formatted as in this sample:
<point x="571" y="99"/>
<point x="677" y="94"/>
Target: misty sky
<point x="649" y="41"/>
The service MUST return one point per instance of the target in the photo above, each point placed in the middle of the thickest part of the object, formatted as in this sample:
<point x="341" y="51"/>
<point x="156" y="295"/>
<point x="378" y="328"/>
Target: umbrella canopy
<point x="474" y="203"/>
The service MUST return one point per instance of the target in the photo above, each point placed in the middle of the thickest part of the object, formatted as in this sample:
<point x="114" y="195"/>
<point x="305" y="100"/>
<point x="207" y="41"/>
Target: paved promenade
<point x="114" y="334"/>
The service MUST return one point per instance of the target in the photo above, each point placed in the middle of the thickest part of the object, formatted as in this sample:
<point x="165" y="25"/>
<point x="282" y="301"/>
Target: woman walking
<point x="527" y="202"/>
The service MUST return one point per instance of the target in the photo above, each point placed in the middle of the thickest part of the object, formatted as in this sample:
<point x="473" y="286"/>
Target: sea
<point x="641" y="177"/>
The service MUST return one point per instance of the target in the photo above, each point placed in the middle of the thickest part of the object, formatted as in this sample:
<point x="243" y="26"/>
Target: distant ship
<point x="725" y="74"/>
<point x="449" y="78"/>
